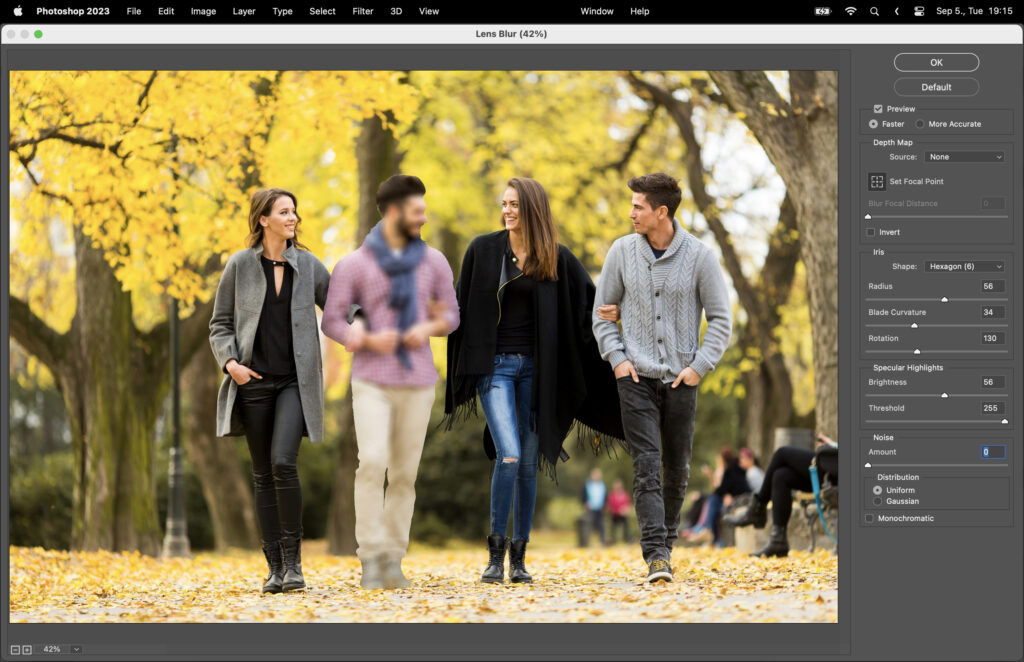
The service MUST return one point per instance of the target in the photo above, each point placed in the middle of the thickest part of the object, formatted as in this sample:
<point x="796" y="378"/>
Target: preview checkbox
<point x="878" y="107"/>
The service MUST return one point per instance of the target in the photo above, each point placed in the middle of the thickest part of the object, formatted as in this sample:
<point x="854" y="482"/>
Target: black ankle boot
<point x="517" y="563"/>
<point x="755" y="515"/>
<point x="291" y="555"/>
<point x="495" y="572"/>
<point x="274" y="580"/>
<point x="778" y="545"/>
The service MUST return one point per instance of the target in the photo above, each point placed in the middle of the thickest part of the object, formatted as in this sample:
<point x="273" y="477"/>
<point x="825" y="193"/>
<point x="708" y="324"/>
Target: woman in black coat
<point x="526" y="347"/>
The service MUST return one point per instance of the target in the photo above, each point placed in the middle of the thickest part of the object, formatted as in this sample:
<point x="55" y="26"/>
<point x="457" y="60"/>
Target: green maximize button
<point x="39" y="34"/>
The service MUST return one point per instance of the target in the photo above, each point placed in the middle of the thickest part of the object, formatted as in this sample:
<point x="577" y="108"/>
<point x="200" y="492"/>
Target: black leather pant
<point x="272" y="416"/>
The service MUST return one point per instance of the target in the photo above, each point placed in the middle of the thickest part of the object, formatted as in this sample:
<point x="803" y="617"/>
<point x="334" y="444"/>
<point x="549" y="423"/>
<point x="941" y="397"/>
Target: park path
<point x="571" y="585"/>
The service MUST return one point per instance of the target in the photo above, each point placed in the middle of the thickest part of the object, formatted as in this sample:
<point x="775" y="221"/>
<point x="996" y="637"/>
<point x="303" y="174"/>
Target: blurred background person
<point x="728" y="481"/>
<point x="595" y="496"/>
<point x="619" y="505"/>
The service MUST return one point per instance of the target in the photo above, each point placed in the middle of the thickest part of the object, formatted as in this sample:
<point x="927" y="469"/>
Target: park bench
<point x="803" y="502"/>
<point x="804" y="523"/>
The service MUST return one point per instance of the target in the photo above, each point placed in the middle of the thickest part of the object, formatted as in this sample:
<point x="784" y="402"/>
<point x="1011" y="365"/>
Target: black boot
<point x="755" y="515"/>
<point x="291" y="554"/>
<point x="777" y="546"/>
<point x="272" y="550"/>
<point x="517" y="563"/>
<point x="495" y="572"/>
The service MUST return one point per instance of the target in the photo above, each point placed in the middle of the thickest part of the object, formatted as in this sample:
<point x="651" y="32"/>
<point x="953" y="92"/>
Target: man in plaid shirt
<point x="405" y="290"/>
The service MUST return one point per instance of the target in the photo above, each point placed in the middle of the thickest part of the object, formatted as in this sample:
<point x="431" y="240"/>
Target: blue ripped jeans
<point x="506" y="397"/>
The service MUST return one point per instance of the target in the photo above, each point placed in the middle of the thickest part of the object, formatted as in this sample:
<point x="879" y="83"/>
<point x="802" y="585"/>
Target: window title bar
<point x="507" y="33"/>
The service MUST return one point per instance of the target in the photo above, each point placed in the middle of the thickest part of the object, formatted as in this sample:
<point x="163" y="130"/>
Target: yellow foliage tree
<point x="146" y="177"/>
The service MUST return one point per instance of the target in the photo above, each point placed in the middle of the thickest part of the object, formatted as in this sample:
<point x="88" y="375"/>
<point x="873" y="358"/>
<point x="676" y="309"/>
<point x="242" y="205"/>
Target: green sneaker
<point x="659" y="571"/>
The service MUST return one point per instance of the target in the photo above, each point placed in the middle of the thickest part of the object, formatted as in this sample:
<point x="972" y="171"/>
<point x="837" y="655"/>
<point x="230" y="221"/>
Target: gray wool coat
<point x="236" y="314"/>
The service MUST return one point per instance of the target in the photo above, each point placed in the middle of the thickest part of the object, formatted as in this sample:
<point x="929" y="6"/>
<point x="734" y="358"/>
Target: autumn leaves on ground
<point x="570" y="585"/>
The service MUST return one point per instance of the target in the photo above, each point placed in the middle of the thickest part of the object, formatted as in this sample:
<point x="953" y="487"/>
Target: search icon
<point x="873" y="11"/>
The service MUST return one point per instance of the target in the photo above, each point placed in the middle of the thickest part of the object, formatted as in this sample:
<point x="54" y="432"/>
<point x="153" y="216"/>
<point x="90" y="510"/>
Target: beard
<point x="409" y="229"/>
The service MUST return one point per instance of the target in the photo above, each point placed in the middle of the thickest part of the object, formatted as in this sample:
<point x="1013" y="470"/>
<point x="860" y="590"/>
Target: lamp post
<point x="176" y="542"/>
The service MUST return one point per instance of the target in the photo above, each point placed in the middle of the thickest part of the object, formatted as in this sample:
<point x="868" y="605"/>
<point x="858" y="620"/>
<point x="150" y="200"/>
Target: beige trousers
<point x="391" y="423"/>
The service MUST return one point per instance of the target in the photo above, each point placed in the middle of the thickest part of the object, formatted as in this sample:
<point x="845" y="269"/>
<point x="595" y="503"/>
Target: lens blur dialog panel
<point x="590" y="331"/>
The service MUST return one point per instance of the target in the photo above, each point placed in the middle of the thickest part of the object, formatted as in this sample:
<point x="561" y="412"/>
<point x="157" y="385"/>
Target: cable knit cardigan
<point x="661" y="301"/>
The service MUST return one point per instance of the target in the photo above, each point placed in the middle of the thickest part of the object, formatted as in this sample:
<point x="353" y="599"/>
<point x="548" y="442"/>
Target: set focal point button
<point x="925" y="62"/>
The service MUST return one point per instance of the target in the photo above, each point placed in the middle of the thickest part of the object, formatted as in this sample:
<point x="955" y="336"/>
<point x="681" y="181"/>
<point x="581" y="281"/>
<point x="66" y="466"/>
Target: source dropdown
<point x="964" y="156"/>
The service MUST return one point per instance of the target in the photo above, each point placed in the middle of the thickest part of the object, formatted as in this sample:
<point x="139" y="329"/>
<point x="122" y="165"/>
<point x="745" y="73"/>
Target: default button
<point x="936" y="87"/>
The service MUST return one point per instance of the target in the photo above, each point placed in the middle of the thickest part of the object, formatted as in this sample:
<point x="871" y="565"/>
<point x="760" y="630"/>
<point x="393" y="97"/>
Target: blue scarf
<point x="401" y="270"/>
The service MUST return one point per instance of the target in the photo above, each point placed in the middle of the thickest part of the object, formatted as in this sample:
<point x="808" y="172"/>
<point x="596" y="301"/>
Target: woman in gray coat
<point x="265" y="336"/>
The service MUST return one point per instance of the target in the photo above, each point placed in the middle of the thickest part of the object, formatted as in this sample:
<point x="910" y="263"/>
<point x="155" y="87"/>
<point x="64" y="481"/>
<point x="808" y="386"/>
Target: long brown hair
<point x="262" y="204"/>
<point x="540" y="237"/>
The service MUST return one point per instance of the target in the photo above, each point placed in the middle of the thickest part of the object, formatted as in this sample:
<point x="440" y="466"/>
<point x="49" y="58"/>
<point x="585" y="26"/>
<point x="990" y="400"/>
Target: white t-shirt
<point x="755" y="478"/>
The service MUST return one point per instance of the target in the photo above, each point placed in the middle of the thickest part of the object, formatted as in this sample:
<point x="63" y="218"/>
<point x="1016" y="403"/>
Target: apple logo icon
<point x="17" y="10"/>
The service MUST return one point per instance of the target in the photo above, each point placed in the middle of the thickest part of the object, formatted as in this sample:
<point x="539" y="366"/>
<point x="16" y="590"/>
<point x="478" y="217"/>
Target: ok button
<point x="951" y="62"/>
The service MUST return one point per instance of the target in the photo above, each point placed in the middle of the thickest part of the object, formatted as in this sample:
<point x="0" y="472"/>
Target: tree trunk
<point x="227" y="488"/>
<point x="113" y="379"/>
<point x="449" y="243"/>
<point x="378" y="157"/>
<point x="754" y="410"/>
<point x="341" y="527"/>
<point x="767" y="405"/>
<point x="112" y="415"/>
<point x="801" y="140"/>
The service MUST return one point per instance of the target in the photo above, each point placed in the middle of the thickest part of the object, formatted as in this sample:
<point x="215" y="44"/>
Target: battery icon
<point x="822" y="11"/>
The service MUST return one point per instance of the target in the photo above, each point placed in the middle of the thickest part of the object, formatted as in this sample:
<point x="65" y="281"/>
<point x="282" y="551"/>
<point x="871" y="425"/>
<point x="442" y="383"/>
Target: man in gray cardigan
<point x="658" y="281"/>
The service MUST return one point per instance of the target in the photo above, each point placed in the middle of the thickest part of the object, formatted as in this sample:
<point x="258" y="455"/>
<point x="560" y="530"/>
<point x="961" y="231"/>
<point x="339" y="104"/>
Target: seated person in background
<point x="728" y="480"/>
<point x="694" y="509"/>
<point x="749" y="464"/>
<point x="697" y="530"/>
<point x="789" y="469"/>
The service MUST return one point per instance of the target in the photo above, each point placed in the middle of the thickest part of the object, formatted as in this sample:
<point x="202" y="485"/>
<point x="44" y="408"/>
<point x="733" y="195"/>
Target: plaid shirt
<point x="357" y="278"/>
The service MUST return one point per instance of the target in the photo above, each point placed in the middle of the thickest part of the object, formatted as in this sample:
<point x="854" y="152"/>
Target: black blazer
<point x="572" y="384"/>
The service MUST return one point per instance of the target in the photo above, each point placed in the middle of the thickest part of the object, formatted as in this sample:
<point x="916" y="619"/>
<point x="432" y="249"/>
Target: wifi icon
<point x="851" y="10"/>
